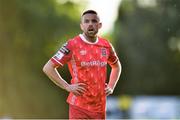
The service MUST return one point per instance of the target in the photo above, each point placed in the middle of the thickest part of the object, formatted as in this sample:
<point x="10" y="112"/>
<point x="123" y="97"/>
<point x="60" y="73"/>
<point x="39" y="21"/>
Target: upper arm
<point x="49" y="66"/>
<point x="116" y="65"/>
<point x="112" y="58"/>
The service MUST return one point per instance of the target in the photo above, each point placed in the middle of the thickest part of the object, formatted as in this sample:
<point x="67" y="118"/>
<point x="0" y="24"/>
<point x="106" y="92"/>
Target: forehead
<point x="90" y="16"/>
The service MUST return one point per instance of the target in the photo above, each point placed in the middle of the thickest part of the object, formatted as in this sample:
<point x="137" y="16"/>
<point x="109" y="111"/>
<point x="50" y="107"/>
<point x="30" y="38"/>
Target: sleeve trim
<point x="114" y="61"/>
<point x="57" y="61"/>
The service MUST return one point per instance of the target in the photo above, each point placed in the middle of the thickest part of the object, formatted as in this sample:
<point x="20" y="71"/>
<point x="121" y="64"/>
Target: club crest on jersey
<point x="103" y="52"/>
<point x="83" y="52"/>
<point x="64" y="49"/>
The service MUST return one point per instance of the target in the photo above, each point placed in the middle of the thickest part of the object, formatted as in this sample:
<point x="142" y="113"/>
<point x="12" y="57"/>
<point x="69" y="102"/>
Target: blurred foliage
<point x="148" y="39"/>
<point x="31" y="31"/>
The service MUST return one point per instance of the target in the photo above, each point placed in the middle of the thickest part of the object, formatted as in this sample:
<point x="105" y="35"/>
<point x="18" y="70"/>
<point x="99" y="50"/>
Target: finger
<point x="78" y="88"/>
<point x="82" y="89"/>
<point x="108" y="93"/>
<point x="80" y="93"/>
<point x="77" y="93"/>
<point x="82" y="84"/>
<point x="106" y="88"/>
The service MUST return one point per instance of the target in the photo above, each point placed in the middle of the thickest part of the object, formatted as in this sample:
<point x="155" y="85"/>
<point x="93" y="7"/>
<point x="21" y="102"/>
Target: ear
<point x="100" y="25"/>
<point x="81" y="26"/>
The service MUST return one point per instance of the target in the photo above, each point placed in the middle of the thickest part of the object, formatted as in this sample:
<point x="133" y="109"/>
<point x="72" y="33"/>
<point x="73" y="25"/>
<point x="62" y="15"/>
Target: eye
<point x="94" y="21"/>
<point x="86" y="21"/>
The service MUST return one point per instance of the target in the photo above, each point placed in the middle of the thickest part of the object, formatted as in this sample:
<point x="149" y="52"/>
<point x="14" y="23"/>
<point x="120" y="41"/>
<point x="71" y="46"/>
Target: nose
<point x="90" y="23"/>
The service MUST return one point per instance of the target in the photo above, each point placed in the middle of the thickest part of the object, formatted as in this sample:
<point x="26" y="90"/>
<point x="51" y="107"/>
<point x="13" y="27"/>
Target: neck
<point x="89" y="38"/>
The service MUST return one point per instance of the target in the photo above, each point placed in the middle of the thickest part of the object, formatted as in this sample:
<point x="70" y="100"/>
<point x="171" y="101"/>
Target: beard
<point x="91" y="33"/>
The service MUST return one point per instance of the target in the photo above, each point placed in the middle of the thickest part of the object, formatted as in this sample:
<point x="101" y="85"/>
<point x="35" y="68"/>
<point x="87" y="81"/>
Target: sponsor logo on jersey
<point x="64" y="49"/>
<point x="103" y="52"/>
<point x="93" y="63"/>
<point x="58" y="55"/>
<point x="83" y="52"/>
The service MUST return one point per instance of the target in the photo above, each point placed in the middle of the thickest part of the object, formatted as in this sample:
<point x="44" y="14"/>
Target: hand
<point x="77" y="89"/>
<point x="108" y="90"/>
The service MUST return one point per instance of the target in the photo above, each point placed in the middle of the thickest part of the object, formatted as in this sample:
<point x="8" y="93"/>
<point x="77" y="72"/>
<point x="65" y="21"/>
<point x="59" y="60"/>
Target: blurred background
<point x="145" y="34"/>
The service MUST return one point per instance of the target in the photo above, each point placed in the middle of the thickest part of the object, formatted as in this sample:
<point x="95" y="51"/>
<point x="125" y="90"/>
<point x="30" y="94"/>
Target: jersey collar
<point x="84" y="39"/>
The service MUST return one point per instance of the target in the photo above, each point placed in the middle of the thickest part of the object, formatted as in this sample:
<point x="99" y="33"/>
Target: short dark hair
<point x="89" y="11"/>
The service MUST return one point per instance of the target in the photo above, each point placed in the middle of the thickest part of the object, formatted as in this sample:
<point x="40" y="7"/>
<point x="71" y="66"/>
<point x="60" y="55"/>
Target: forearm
<point x="114" y="75"/>
<point x="54" y="76"/>
<point x="57" y="79"/>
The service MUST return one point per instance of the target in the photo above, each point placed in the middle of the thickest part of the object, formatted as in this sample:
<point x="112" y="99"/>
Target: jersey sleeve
<point x="63" y="55"/>
<point x="113" y="58"/>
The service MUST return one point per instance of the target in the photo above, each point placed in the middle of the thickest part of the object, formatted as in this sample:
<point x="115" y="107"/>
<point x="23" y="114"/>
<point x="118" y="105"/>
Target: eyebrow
<point x="98" y="19"/>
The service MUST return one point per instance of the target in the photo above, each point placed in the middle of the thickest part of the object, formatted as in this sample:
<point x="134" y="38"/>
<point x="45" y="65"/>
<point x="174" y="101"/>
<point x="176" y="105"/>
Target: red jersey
<point x="87" y="63"/>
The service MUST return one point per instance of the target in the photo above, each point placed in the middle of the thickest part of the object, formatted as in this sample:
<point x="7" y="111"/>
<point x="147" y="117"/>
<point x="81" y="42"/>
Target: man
<point x="87" y="56"/>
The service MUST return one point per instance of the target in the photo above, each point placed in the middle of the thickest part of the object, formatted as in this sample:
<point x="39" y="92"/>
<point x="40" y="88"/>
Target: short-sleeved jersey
<point x="87" y="63"/>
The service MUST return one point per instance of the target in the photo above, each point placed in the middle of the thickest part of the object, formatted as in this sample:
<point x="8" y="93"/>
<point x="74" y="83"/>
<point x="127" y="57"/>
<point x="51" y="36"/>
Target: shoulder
<point x="74" y="41"/>
<point x="104" y="42"/>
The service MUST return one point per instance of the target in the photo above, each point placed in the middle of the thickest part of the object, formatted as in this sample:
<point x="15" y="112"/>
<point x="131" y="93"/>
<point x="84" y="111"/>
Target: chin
<point x="94" y="35"/>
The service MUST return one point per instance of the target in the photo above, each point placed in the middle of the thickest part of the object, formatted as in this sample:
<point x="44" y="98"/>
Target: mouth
<point x="91" y="31"/>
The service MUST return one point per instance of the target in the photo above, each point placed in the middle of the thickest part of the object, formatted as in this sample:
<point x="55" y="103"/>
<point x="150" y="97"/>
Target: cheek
<point x="82" y="27"/>
<point x="97" y="26"/>
<point x="85" y="27"/>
